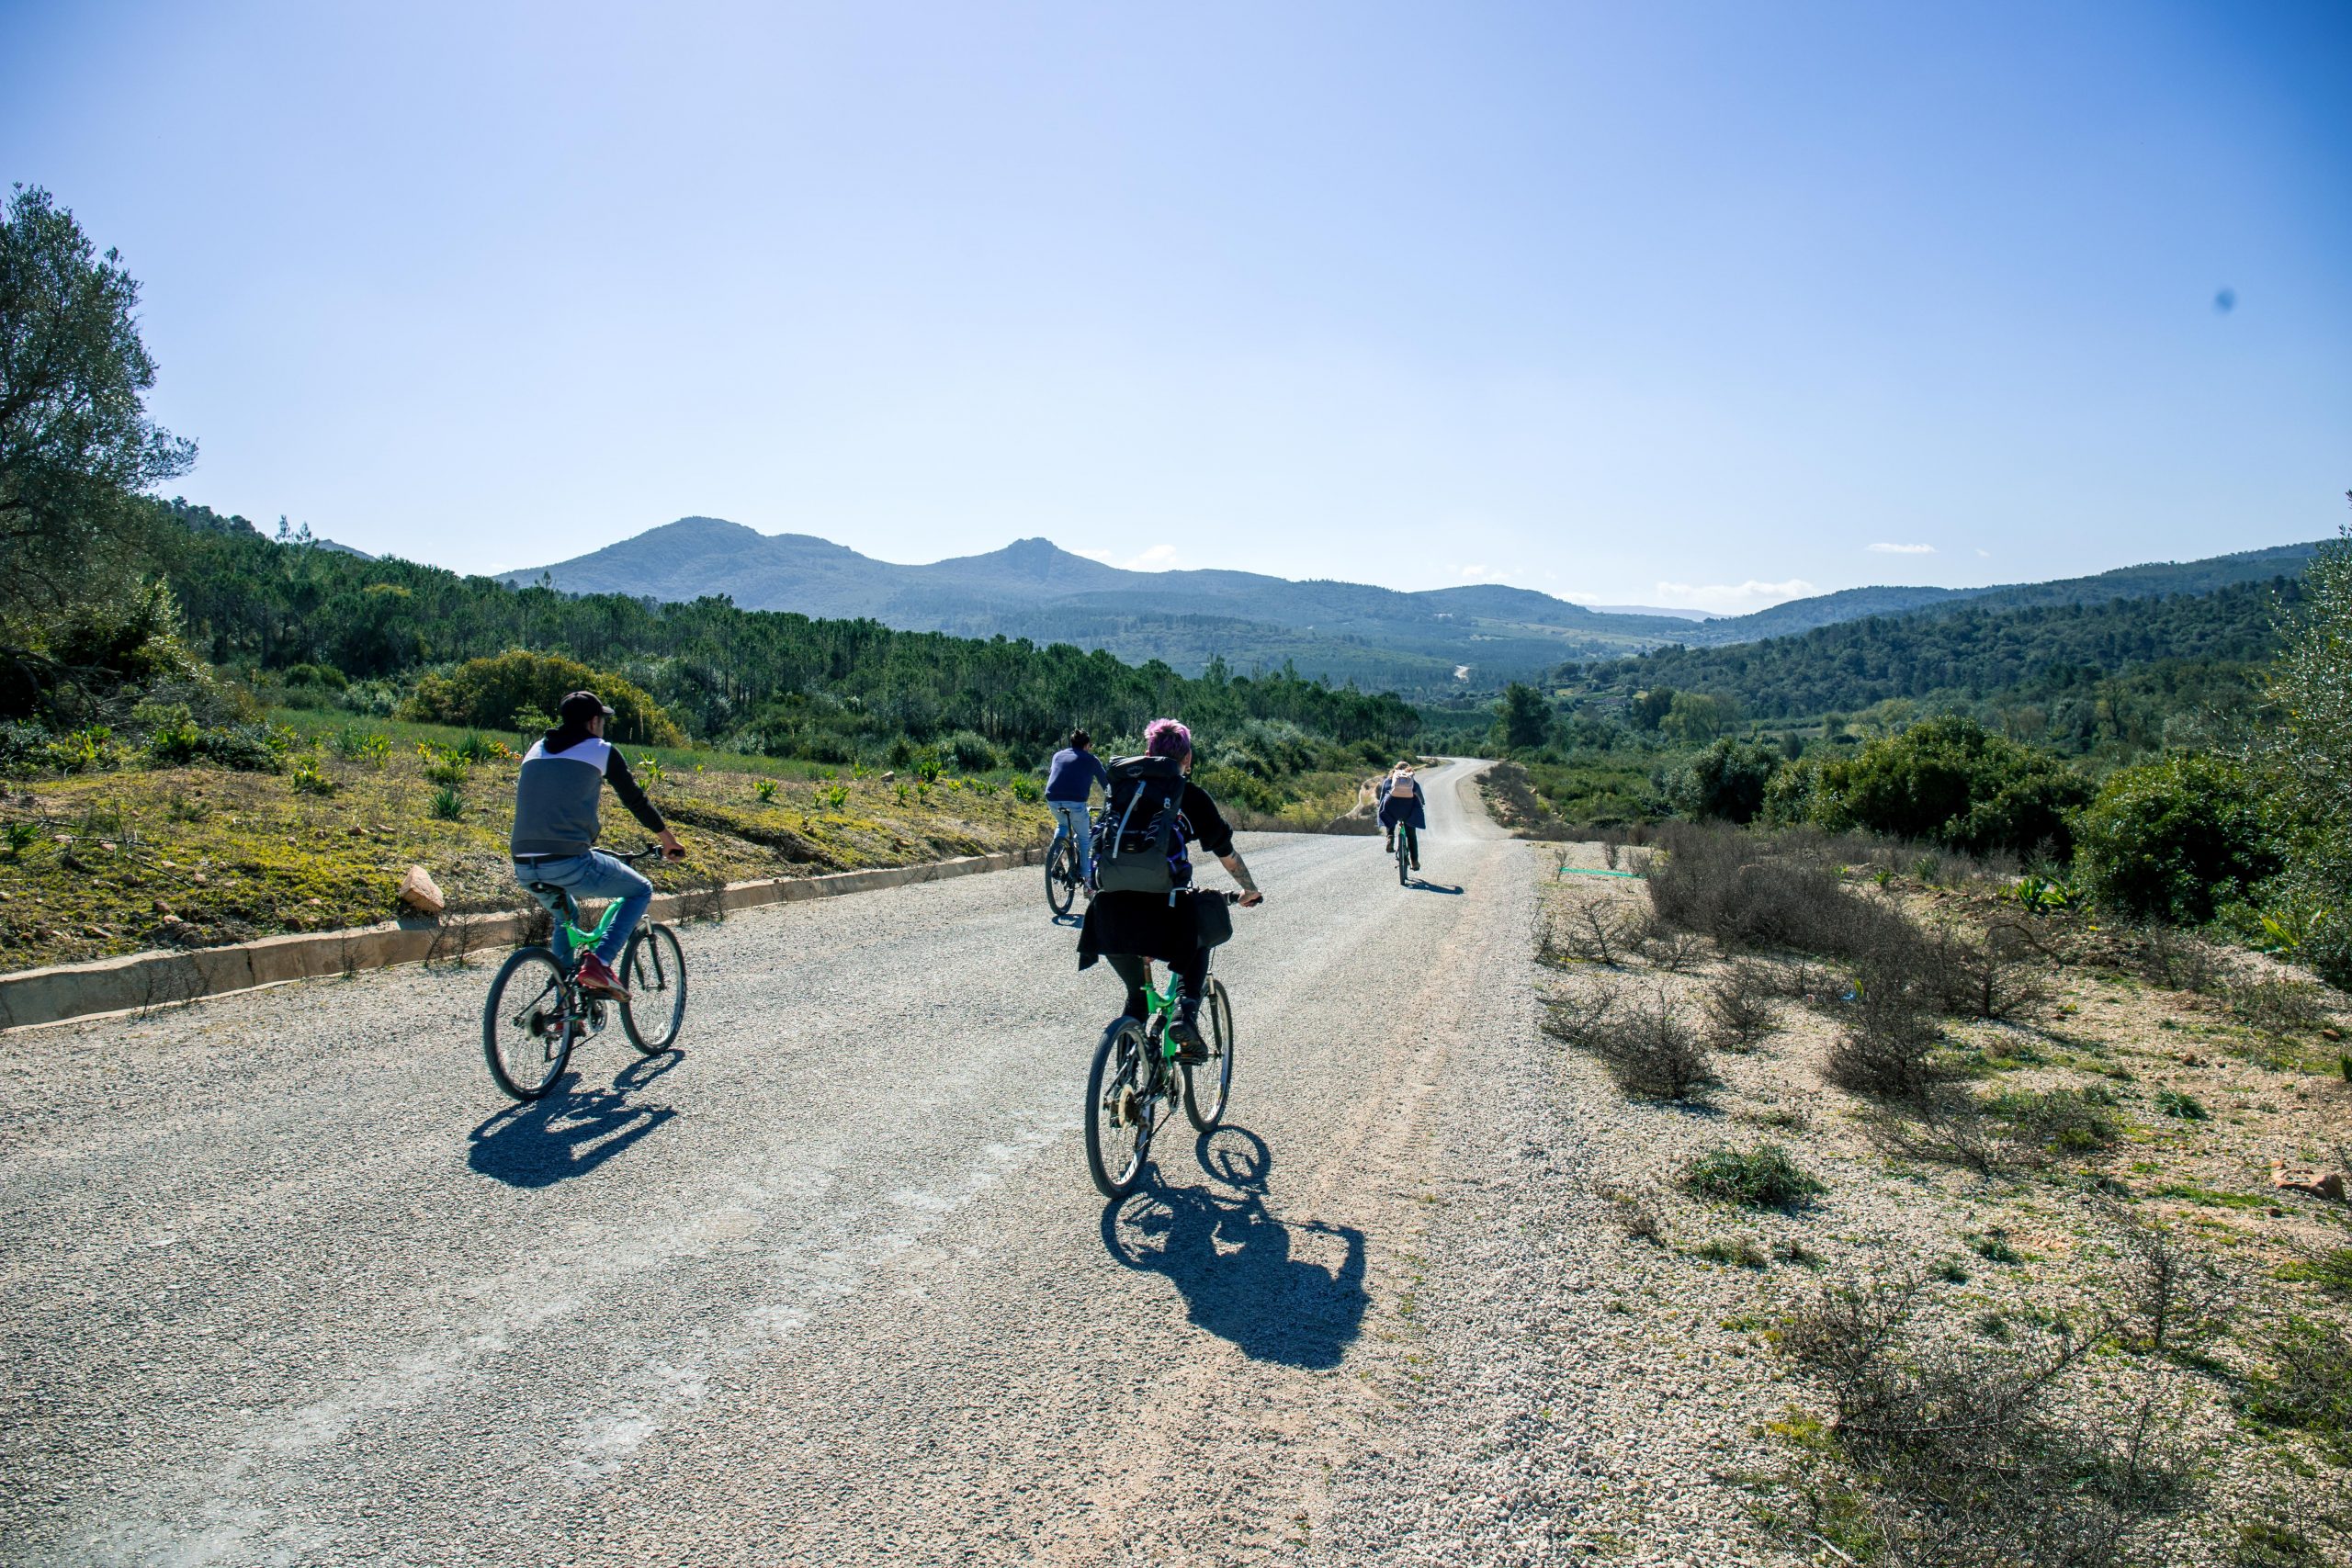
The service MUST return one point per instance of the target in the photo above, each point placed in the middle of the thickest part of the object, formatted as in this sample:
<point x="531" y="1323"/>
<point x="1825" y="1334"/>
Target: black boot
<point x="1186" y="1030"/>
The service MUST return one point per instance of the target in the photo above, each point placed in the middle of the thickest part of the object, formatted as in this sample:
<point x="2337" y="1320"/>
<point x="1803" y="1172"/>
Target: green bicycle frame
<point x="577" y="942"/>
<point x="1161" y="1005"/>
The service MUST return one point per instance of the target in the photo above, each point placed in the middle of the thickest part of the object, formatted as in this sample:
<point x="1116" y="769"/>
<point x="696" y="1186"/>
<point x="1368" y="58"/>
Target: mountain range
<point x="1434" y="639"/>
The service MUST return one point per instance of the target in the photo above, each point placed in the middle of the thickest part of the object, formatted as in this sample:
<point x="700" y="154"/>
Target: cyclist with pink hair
<point x="1144" y="906"/>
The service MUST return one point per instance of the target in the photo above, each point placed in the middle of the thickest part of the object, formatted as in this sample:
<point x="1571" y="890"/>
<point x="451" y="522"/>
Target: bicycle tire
<point x="653" y="967"/>
<point x="1207" y="1084"/>
<point x="1061" y="878"/>
<point x="1404" y="874"/>
<point x="537" y="1057"/>
<point x="1119" y="1062"/>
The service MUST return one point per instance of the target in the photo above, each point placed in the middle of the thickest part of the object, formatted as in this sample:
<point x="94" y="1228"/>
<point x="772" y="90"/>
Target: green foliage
<point x="1693" y="718"/>
<point x="764" y="792"/>
<point x="1522" y="718"/>
<point x="306" y="779"/>
<point x="1945" y="780"/>
<point x="2306" y="757"/>
<point x="1026" y="788"/>
<point x="832" y="798"/>
<point x="1763" y="1178"/>
<point x="353" y="744"/>
<point x="1724" y="783"/>
<point x="444" y="768"/>
<point x="176" y="740"/>
<point x="492" y="692"/>
<point x="2306" y="1384"/>
<point x="20" y="836"/>
<point x="2175" y="838"/>
<point x="448" y="805"/>
<point x="2187" y="1107"/>
<point x="2039" y="894"/>
<point x="74" y="435"/>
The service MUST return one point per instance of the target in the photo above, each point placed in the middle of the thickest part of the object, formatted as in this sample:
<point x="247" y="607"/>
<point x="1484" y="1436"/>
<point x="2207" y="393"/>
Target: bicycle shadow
<point x="569" y="1132"/>
<point x="1246" y="1275"/>
<point x="1417" y="886"/>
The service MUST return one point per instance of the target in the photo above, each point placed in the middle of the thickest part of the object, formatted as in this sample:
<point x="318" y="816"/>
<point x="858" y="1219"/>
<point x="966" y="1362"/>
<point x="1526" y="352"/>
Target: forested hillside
<point x="1971" y="650"/>
<point x="766" y="681"/>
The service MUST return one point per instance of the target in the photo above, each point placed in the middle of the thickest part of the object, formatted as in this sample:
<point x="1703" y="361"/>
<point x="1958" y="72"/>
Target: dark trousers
<point x="1192" y="971"/>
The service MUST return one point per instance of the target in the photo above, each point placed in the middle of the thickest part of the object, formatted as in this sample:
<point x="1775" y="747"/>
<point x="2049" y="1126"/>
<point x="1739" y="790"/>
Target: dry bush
<point x="1739" y="1005"/>
<point x="2279" y="1008"/>
<point x="2168" y="956"/>
<point x="1592" y="930"/>
<point x="2173" y="1300"/>
<point x="1645" y="1047"/>
<point x="1889" y="1048"/>
<point x="1966" y="1453"/>
<point x="1667" y="947"/>
<point x="1944" y="1126"/>
<point x="1997" y="976"/>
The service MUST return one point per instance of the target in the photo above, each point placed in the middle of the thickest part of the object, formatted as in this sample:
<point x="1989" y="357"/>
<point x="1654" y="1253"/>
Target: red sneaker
<point x="596" y="979"/>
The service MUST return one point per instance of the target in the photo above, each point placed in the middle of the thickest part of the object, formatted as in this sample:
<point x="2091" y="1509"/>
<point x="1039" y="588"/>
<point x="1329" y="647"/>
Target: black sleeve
<point x="616" y="774"/>
<point x="1208" y="823"/>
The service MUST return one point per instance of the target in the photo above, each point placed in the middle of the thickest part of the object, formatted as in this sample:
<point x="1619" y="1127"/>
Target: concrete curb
<point x="140" y="981"/>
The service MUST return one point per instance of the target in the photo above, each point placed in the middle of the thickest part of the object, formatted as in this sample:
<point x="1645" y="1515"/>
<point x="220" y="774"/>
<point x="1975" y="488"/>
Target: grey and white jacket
<point x="558" y="789"/>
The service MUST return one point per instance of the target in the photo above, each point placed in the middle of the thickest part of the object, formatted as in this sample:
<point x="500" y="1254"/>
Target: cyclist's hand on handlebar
<point x="671" y="848"/>
<point x="1252" y="898"/>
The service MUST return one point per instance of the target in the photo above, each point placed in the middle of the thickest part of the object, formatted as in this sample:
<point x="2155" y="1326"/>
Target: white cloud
<point x="1472" y="573"/>
<point x="1986" y="554"/>
<point x="1731" y="599"/>
<point x="1904" y="549"/>
<point x="1159" y="558"/>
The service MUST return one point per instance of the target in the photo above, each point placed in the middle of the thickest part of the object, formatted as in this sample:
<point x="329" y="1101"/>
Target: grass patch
<point x="1763" y="1178"/>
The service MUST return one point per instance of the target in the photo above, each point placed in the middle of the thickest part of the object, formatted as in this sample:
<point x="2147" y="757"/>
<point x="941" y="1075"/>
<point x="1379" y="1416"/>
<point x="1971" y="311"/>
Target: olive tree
<point x="74" y="435"/>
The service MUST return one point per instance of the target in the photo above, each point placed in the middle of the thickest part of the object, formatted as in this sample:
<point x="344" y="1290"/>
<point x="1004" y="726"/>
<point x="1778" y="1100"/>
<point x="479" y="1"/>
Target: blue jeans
<point x="591" y="875"/>
<point x="1075" y="822"/>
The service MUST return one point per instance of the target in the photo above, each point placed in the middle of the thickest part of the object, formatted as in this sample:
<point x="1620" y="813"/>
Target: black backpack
<point x="1139" y="839"/>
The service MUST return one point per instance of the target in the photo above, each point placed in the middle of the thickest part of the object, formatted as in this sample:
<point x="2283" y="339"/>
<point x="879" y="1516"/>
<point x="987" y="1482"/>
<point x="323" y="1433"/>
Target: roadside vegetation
<point x="2012" y="1221"/>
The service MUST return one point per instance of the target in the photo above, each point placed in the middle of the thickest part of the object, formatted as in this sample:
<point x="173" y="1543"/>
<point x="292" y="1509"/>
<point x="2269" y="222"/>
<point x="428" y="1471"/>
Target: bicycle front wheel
<point x="654" y="973"/>
<point x="1404" y="862"/>
<point x="1207" y="1084"/>
<point x="1118" y="1109"/>
<point x="1061" y="876"/>
<point x="527" y="1025"/>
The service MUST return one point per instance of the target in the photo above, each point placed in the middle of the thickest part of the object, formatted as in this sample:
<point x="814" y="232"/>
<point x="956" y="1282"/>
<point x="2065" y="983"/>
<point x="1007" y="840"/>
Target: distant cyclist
<point x="1070" y="783"/>
<point x="554" y="842"/>
<point x="1401" y="802"/>
<point x="1145" y="906"/>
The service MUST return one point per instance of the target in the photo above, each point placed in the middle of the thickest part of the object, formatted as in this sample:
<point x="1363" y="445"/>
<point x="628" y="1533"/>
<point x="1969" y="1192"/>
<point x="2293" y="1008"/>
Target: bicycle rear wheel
<point x="1207" y="1084"/>
<point x="527" y="1025"/>
<point x="1061" y="876"/>
<point x="1404" y="861"/>
<point x="654" y="973"/>
<point x="1118" y="1109"/>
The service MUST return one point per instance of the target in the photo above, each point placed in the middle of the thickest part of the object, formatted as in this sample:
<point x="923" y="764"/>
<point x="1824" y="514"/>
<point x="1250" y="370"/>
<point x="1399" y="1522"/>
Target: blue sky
<point x="1694" y="304"/>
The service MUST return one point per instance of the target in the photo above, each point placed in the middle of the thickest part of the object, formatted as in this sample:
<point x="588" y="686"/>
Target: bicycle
<point x="552" y="1014"/>
<point x="1133" y="1085"/>
<point x="1409" y="845"/>
<point x="1062" y="878"/>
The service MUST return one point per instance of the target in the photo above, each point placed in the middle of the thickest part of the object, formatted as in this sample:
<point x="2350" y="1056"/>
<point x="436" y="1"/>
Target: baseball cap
<point x="578" y="707"/>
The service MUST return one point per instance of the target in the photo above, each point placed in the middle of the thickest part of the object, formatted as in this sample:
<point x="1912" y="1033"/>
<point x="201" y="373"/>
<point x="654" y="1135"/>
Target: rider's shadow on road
<point x="1281" y="1291"/>
<point x="1417" y="886"/>
<point x="541" y="1143"/>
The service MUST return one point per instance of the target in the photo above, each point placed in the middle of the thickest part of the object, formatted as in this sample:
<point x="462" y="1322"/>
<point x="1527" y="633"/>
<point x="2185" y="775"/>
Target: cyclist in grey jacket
<point x="554" y="842"/>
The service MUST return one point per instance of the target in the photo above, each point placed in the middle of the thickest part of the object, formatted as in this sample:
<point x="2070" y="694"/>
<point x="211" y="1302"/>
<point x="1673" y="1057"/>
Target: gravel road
<point x="287" y="1281"/>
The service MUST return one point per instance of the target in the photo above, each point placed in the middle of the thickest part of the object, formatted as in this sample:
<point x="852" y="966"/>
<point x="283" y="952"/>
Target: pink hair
<point x="1166" y="737"/>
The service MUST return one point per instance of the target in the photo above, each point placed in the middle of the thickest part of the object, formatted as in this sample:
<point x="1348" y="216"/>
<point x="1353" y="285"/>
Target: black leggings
<point x="1412" y="839"/>
<point x="1192" y="971"/>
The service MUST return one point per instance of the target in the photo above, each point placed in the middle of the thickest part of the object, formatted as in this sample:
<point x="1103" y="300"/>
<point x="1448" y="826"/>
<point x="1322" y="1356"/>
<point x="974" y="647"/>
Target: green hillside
<point x="1968" y="651"/>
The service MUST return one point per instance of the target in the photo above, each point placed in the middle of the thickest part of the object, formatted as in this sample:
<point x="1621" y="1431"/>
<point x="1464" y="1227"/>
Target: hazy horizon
<point x="1697" y="307"/>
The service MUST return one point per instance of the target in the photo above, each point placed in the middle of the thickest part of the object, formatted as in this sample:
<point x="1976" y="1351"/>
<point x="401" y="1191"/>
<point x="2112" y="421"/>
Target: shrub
<point x="1962" y="1450"/>
<point x="1645" y="1047"/>
<point x="764" y="792"/>
<point x="2305" y="756"/>
<point x="1738" y="1003"/>
<point x="2187" y="1107"/>
<point x="1950" y="781"/>
<point x="1027" y="789"/>
<point x="971" y="752"/>
<point x="2175" y="839"/>
<point x="1996" y="977"/>
<point x="448" y="804"/>
<point x="1888" y="1048"/>
<point x="306" y="779"/>
<point x="492" y="692"/>
<point x="2174" y="1299"/>
<point x="2306" y="1384"/>
<point x="2279" y="1007"/>
<point x="1724" y="783"/>
<point x="1763" y="1178"/>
